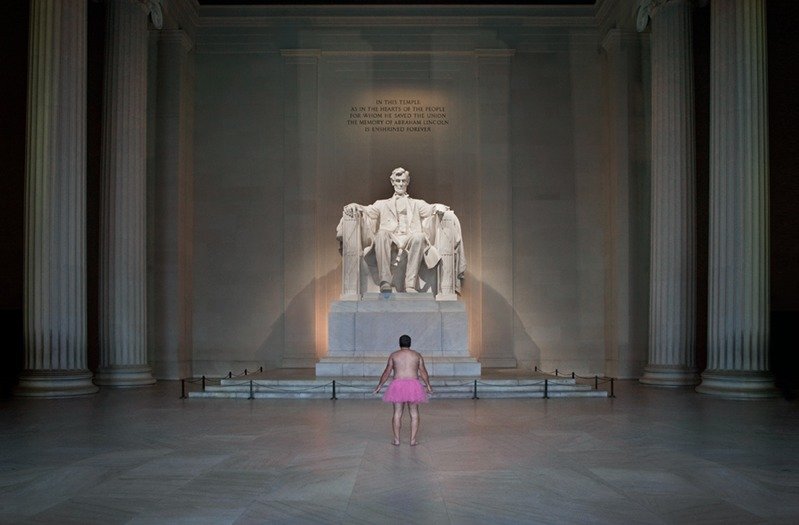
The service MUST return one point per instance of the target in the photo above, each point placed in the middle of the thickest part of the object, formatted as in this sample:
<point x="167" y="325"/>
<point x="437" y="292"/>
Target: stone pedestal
<point x="361" y="335"/>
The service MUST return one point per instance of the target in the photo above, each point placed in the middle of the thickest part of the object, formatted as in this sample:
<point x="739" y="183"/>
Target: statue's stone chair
<point x="442" y="267"/>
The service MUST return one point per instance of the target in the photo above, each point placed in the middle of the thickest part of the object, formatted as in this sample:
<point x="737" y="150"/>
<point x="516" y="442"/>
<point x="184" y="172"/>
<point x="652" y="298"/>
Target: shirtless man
<point x="405" y="389"/>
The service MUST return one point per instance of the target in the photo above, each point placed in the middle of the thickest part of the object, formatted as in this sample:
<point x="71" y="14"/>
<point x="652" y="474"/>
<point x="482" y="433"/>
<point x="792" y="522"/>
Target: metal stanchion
<point x="536" y="368"/>
<point x="611" y="388"/>
<point x="334" y="390"/>
<point x="260" y="369"/>
<point x="203" y="383"/>
<point x="182" y="389"/>
<point x="596" y="382"/>
<point x="251" y="396"/>
<point x="230" y="375"/>
<point x="556" y="372"/>
<point x="546" y="388"/>
<point x="572" y="375"/>
<point x="474" y="392"/>
<point x="245" y="371"/>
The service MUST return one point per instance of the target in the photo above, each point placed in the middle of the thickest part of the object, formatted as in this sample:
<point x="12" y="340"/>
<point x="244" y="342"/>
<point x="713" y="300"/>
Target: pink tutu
<point x="405" y="391"/>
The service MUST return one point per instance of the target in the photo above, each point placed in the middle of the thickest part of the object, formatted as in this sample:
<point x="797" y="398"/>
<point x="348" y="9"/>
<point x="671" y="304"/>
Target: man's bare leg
<point x="414" y="410"/>
<point x="396" y="422"/>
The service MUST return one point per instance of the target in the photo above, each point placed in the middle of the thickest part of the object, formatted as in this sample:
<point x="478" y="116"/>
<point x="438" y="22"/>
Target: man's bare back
<point x="408" y="367"/>
<point x="406" y="363"/>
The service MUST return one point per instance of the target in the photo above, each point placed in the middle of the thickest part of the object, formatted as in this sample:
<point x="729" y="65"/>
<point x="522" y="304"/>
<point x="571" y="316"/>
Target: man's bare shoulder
<point x="405" y="353"/>
<point x="417" y="354"/>
<point x="402" y="353"/>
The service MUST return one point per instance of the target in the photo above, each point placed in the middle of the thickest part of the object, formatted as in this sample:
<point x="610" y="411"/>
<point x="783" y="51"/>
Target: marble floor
<point x="648" y="456"/>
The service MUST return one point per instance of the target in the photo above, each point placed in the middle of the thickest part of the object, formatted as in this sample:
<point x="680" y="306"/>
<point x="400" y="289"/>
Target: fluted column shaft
<point x="55" y="203"/>
<point x="738" y="303"/>
<point x="123" y="317"/>
<point x="673" y="252"/>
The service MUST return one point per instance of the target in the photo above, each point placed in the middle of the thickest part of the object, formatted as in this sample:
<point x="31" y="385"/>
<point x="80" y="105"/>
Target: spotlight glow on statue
<point x="383" y="233"/>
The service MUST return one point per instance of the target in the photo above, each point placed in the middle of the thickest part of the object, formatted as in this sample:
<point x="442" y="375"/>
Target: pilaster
<point x="626" y="279"/>
<point x="301" y="115"/>
<point x="496" y="210"/>
<point x="170" y="304"/>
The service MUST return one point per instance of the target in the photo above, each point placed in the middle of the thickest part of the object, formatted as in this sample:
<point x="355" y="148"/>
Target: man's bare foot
<point x="414" y="443"/>
<point x="395" y="442"/>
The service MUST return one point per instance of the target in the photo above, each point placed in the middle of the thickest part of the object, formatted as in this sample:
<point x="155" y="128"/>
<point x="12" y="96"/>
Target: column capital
<point x="648" y="9"/>
<point x="153" y="8"/>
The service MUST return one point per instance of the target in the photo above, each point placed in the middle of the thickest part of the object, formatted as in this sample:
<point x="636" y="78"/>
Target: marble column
<point x="123" y="318"/>
<point x="672" y="289"/>
<point x="738" y="282"/>
<point x="55" y="204"/>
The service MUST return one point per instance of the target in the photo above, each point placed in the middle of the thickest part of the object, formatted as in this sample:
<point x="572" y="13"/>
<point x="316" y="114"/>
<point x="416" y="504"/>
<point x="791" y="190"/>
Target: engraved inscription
<point x="403" y="115"/>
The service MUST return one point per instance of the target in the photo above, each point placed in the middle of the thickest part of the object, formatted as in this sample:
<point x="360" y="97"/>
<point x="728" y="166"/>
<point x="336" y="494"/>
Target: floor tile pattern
<point x="649" y="456"/>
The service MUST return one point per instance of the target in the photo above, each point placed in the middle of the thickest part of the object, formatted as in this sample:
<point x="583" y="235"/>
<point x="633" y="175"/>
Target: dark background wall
<point x="783" y="79"/>
<point x="13" y="95"/>
<point x="783" y="85"/>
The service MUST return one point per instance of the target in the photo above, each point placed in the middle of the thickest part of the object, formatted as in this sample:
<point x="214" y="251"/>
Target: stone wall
<point x="505" y="126"/>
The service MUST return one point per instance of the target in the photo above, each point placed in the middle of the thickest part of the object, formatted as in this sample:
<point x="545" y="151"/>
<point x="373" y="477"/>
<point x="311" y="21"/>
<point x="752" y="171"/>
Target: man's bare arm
<point x="423" y="374"/>
<point x="386" y="373"/>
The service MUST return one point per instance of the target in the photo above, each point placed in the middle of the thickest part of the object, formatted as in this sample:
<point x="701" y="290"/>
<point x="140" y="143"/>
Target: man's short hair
<point x="399" y="172"/>
<point x="405" y="341"/>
